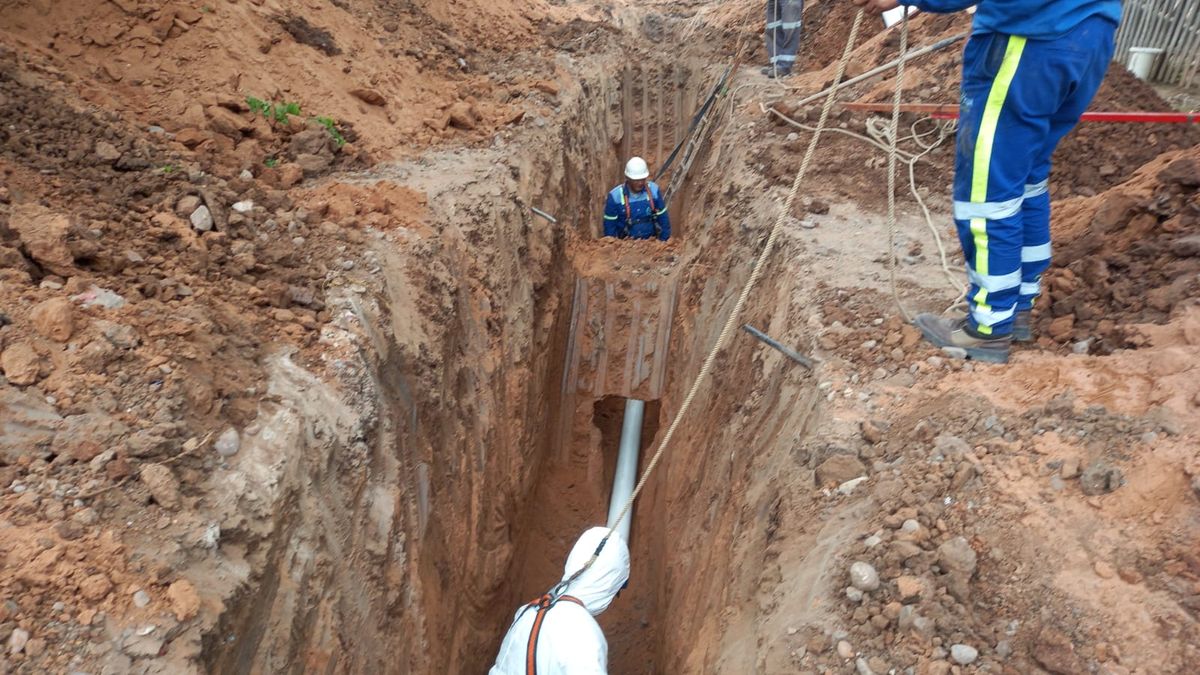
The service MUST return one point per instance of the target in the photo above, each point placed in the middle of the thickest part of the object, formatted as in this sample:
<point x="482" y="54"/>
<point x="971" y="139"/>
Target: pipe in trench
<point x="625" y="477"/>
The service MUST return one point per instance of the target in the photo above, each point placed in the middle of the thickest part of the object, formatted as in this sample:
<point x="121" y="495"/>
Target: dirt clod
<point x="163" y="485"/>
<point x="54" y="319"/>
<point x="21" y="364"/>
<point x="838" y="469"/>
<point x="1055" y="652"/>
<point x="307" y="34"/>
<point x="462" y="115"/>
<point x="1100" y="477"/>
<point x="185" y="602"/>
<point x="95" y="587"/>
<point x="369" y="96"/>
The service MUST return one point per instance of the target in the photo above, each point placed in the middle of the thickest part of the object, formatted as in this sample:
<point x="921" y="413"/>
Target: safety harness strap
<point x="543" y="605"/>
<point x="629" y="211"/>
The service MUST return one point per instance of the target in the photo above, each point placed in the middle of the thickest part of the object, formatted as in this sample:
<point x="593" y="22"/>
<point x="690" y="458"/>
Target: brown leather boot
<point x="956" y="337"/>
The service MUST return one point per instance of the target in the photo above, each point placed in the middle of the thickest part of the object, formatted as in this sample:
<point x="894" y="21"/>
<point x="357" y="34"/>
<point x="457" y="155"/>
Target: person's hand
<point x="877" y="6"/>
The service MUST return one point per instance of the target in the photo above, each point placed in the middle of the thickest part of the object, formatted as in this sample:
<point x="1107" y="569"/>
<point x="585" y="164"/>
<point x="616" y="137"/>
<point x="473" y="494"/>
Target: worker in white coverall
<point x="557" y="634"/>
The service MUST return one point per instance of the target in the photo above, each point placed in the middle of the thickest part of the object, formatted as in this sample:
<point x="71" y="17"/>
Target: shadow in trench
<point x="573" y="496"/>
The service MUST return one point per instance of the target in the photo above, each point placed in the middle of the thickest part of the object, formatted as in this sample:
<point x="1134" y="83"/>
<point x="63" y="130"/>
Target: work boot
<point x="773" y="72"/>
<point x="957" y="334"/>
<point x="1023" y="326"/>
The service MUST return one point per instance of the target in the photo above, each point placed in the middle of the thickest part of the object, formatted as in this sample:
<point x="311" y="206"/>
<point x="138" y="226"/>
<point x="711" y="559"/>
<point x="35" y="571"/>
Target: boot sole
<point x="972" y="353"/>
<point x="985" y="355"/>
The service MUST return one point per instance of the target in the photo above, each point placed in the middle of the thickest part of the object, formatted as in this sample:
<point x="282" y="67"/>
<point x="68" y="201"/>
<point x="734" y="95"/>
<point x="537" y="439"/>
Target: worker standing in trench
<point x="557" y="634"/>
<point x="1030" y="70"/>
<point x="782" y="36"/>
<point x="635" y="208"/>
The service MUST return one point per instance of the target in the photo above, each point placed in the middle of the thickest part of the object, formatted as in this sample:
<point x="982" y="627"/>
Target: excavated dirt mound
<point x="91" y="203"/>
<point x="826" y="28"/>
<point x="1130" y="255"/>
<point x="1096" y="156"/>
<point x="965" y="476"/>
<point x="138" y="297"/>
<point x="400" y="75"/>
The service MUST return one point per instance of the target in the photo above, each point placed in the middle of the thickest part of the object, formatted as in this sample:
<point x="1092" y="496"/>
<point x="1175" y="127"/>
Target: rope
<point x="895" y="135"/>
<point x="893" y="151"/>
<point x="879" y="136"/>
<point x="732" y="322"/>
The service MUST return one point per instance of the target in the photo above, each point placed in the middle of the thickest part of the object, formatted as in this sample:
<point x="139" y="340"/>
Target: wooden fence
<point x="1170" y="25"/>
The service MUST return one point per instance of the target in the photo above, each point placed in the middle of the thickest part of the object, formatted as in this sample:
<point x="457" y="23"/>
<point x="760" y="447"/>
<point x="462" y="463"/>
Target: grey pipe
<point x="543" y="214"/>
<point x="625" y="477"/>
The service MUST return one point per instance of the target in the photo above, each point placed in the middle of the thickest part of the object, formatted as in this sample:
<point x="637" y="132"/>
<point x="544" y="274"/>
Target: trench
<point x="495" y="437"/>
<point x="586" y="393"/>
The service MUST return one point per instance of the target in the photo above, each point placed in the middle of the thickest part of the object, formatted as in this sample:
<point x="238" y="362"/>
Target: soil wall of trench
<point x="379" y="519"/>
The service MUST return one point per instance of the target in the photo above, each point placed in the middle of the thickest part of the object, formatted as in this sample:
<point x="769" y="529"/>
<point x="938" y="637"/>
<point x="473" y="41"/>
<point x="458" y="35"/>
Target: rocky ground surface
<point x="183" y="257"/>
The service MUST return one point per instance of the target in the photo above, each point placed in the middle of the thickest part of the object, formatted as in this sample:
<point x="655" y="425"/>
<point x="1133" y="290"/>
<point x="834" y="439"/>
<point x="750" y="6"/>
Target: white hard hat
<point x="636" y="169"/>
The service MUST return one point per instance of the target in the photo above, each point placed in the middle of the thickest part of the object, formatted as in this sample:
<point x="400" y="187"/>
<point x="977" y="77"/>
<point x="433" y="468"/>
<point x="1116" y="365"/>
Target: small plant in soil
<point x="276" y="113"/>
<point x="331" y="126"/>
<point x="271" y="162"/>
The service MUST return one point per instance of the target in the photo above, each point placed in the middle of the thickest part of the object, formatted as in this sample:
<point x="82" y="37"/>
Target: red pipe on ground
<point x="1124" y="117"/>
<point x="950" y="112"/>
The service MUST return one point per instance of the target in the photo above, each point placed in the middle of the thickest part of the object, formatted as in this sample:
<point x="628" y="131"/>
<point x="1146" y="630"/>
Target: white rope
<point x="894" y="133"/>
<point x="877" y="138"/>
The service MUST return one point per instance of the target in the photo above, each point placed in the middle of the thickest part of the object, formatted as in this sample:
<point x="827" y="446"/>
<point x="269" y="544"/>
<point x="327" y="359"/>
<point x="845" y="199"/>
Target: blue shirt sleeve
<point x="663" y="218"/>
<point x="612" y="217"/>
<point x="942" y="6"/>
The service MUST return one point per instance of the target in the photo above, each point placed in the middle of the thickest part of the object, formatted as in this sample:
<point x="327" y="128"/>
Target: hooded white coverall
<point x="571" y="642"/>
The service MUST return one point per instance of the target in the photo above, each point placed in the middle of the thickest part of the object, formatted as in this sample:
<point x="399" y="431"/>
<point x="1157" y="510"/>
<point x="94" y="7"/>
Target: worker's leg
<point x="1007" y="101"/>
<point x="1089" y="48"/>
<point x="789" y="34"/>
<point x="770" y="29"/>
<point x="783" y="33"/>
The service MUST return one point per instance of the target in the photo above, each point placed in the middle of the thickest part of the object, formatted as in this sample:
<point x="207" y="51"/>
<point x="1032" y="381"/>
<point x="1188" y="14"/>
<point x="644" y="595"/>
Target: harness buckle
<point x="555" y="593"/>
<point x="628" y="231"/>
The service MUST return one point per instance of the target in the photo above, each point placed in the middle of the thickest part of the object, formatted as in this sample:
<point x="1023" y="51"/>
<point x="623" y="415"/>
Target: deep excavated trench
<point x="499" y="356"/>
<point x="613" y="344"/>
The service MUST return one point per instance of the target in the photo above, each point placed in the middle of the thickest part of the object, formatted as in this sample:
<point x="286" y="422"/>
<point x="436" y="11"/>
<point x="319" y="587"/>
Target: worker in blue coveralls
<point x="635" y="208"/>
<point x="1030" y="70"/>
<point x="782" y="36"/>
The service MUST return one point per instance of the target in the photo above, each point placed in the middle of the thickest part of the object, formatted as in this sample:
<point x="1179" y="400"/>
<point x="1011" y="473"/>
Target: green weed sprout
<point x="331" y="126"/>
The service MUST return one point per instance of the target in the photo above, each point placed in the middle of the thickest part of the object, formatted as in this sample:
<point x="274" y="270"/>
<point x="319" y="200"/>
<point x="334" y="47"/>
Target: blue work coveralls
<point x="636" y="215"/>
<point x="1030" y="69"/>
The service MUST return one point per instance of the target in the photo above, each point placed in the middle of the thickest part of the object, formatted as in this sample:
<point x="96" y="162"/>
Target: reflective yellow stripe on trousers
<point x="983" y="158"/>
